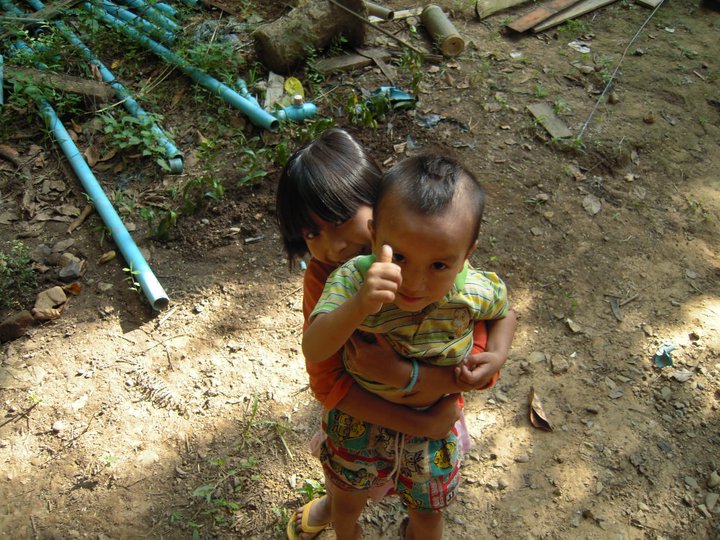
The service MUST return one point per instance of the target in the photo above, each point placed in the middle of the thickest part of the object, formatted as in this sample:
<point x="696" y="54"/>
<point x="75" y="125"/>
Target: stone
<point x="50" y="298"/>
<point x="536" y="357"/>
<point x="16" y="325"/>
<point x="559" y="365"/>
<point x="713" y="480"/>
<point x="711" y="500"/>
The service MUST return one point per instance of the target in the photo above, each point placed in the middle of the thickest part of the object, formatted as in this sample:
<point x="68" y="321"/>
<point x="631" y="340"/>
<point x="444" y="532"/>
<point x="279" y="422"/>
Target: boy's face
<point x="430" y="250"/>
<point x="335" y="243"/>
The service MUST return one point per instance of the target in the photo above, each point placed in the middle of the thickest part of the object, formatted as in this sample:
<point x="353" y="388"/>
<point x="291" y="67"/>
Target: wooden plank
<point x="649" y="3"/>
<point x="539" y="14"/>
<point x="485" y="8"/>
<point x="581" y="8"/>
<point x="346" y="62"/>
<point x="68" y="83"/>
<point x="544" y="113"/>
<point x="379" y="56"/>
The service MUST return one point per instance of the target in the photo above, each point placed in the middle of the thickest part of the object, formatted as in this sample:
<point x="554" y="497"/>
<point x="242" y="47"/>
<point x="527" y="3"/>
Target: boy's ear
<point x="472" y="248"/>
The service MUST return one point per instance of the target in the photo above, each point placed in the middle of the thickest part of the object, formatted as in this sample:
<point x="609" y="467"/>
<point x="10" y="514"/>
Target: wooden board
<point x="544" y="113"/>
<point x="581" y="8"/>
<point x="68" y="83"/>
<point x="539" y="14"/>
<point x="347" y="62"/>
<point x="485" y="8"/>
<point x="649" y="3"/>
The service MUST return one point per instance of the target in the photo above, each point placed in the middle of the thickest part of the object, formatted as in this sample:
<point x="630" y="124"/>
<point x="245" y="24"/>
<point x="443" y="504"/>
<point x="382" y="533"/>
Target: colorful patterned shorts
<point x="360" y="456"/>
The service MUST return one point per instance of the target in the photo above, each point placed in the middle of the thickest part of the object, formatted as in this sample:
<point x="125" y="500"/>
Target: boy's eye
<point x="439" y="266"/>
<point x="398" y="257"/>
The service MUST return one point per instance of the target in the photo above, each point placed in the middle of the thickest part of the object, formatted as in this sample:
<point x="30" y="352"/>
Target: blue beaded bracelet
<point x="413" y="376"/>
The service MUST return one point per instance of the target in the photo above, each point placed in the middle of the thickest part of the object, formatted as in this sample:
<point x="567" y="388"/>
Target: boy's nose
<point x="412" y="282"/>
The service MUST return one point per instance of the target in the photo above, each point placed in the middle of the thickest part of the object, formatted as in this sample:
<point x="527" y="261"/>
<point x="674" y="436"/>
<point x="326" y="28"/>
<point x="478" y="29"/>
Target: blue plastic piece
<point x="662" y="357"/>
<point x="297" y="113"/>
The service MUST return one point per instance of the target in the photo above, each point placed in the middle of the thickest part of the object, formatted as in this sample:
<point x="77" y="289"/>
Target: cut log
<point x="581" y="8"/>
<point x="442" y="31"/>
<point x="67" y="83"/>
<point x="539" y="14"/>
<point x="283" y="44"/>
<point x="485" y="8"/>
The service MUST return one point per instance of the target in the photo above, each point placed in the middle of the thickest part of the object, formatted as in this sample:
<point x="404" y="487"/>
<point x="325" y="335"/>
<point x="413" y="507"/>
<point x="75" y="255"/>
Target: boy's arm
<point x="478" y="369"/>
<point x="329" y="330"/>
<point x="434" y="423"/>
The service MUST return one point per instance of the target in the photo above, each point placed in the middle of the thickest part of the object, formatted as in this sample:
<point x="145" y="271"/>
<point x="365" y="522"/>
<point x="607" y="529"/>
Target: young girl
<point x="324" y="202"/>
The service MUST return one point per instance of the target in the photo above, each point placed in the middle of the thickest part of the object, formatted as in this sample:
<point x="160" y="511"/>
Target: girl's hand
<point x="442" y="417"/>
<point x="382" y="281"/>
<point x="373" y="357"/>
<point x="477" y="370"/>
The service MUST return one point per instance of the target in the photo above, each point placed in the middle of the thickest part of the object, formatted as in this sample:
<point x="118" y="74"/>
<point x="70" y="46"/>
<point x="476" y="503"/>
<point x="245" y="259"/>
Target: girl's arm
<point x="434" y="423"/>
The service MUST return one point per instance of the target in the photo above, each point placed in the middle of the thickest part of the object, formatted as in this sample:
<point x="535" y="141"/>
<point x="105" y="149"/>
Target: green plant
<point x="412" y="62"/>
<point x="132" y="132"/>
<point x="160" y="220"/>
<point x="311" y="489"/>
<point x="133" y="283"/>
<point x="540" y="91"/>
<point x="218" y="58"/>
<point x="574" y="28"/>
<point x="561" y="106"/>
<point x="17" y="276"/>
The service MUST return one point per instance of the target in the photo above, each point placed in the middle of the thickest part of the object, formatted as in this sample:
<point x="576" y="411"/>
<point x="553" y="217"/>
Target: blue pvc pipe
<point x="257" y="115"/>
<point x="137" y="22"/>
<point x="167" y="9"/>
<point x="152" y="13"/>
<point x="135" y="260"/>
<point x="174" y="156"/>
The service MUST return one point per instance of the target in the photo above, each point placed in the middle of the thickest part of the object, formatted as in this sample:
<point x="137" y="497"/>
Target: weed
<point x="133" y="284"/>
<point x="540" y="91"/>
<point x="413" y="62"/>
<point x="109" y="460"/>
<point x="574" y="28"/>
<point x="690" y="54"/>
<point x="17" y="277"/>
<point x="218" y="58"/>
<point x="561" y="106"/>
<point x="311" y="489"/>
<point x="160" y="221"/>
<point x="133" y="132"/>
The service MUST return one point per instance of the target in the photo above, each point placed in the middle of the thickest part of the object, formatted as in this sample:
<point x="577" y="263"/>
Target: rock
<point x="714" y="480"/>
<point x="522" y="458"/>
<point x="50" y="298"/>
<point x="711" y="500"/>
<point x="665" y="393"/>
<point x="16" y="325"/>
<point x="502" y="483"/>
<point x="71" y="271"/>
<point x="559" y="365"/>
<point x="692" y="483"/>
<point x="104" y="287"/>
<point x="63" y="245"/>
<point x="66" y="258"/>
<point x="536" y="357"/>
<point x="59" y="426"/>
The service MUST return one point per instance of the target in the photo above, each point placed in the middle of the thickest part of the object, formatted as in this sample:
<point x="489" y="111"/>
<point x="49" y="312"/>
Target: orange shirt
<point x="329" y="381"/>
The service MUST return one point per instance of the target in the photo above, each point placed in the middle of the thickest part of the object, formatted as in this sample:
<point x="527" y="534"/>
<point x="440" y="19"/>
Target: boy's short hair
<point x="428" y="184"/>
<point x="331" y="177"/>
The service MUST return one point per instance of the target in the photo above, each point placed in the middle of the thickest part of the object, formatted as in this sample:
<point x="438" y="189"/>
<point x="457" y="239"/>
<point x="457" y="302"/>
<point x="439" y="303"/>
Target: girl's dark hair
<point x="428" y="183"/>
<point x="331" y="177"/>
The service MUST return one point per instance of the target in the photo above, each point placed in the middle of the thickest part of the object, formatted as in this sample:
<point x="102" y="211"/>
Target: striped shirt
<point x="440" y="334"/>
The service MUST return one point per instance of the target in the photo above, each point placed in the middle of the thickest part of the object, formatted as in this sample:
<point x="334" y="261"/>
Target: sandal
<point x="305" y="527"/>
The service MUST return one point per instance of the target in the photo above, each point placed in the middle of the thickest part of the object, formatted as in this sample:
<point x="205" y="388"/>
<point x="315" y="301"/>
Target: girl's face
<point x="335" y="243"/>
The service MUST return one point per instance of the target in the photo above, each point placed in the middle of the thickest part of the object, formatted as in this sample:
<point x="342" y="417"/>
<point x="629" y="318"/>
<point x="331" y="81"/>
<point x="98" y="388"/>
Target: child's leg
<point x="424" y="525"/>
<point x="345" y="510"/>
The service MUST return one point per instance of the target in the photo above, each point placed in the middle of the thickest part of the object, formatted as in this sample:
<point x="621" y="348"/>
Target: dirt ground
<point x="121" y="422"/>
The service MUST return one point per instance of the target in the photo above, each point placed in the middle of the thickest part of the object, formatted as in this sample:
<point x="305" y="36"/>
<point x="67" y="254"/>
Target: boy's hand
<point x="382" y="281"/>
<point x="477" y="370"/>
<point x="442" y="417"/>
